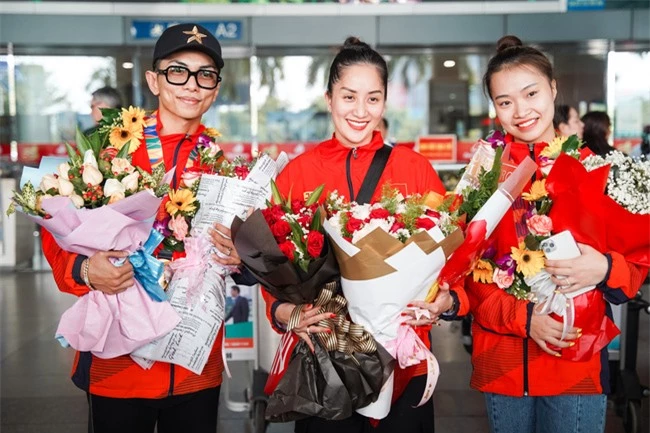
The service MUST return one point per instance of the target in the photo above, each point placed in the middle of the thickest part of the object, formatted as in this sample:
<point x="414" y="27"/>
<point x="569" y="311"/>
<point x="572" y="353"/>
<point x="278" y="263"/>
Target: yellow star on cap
<point x="196" y="36"/>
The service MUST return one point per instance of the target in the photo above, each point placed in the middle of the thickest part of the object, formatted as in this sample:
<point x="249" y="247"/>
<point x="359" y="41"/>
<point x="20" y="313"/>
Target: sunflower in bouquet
<point x="98" y="171"/>
<point x="98" y="201"/>
<point x="179" y="207"/>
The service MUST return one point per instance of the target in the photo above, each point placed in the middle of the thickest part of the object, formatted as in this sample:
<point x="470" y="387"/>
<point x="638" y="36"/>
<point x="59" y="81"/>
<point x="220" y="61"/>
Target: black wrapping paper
<point x="260" y="254"/>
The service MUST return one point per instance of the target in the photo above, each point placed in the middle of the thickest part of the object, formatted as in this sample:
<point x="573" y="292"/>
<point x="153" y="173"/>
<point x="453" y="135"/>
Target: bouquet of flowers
<point x="407" y="242"/>
<point x="571" y="198"/>
<point x="97" y="201"/>
<point x="283" y="246"/>
<point x="395" y="242"/>
<point x="211" y="190"/>
<point x="179" y="207"/>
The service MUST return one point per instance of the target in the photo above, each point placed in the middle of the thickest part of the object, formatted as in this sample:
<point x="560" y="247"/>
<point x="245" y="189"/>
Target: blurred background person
<point x="105" y="97"/>
<point x="598" y="128"/>
<point x="643" y="149"/>
<point x="567" y="121"/>
<point x="383" y="129"/>
<point x="239" y="310"/>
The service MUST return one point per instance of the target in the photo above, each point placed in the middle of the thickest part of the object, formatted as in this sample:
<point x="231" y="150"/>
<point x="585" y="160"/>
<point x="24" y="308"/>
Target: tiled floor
<point x="36" y="395"/>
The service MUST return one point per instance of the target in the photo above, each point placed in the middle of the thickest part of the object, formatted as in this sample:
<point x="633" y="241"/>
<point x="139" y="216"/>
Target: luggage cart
<point x="265" y="343"/>
<point x="628" y="392"/>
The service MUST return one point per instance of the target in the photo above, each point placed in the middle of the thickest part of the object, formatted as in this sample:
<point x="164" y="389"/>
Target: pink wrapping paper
<point x="108" y="325"/>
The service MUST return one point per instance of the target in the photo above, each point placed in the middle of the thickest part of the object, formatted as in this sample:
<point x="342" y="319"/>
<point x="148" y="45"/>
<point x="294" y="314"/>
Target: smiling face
<point x="573" y="125"/>
<point x="524" y="102"/>
<point x="181" y="107"/>
<point x="357" y="104"/>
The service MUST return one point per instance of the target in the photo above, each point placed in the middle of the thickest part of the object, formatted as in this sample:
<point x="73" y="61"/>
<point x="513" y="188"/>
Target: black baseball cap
<point x="187" y="37"/>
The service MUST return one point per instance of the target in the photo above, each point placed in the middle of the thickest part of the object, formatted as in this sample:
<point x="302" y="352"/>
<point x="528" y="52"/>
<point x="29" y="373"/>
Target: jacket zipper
<point x="175" y="158"/>
<point x="348" y="170"/>
<point x="531" y="149"/>
<point x="525" y="340"/>
<point x="171" y="380"/>
<point x="174" y="162"/>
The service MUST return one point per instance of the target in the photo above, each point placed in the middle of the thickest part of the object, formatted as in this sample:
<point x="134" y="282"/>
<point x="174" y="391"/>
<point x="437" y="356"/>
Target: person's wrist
<point x="85" y="269"/>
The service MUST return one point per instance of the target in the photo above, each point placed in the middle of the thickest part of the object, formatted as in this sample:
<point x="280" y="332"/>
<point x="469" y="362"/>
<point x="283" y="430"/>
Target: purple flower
<point x="204" y="140"/>
<point x="507" y="264"/>
<point x="496" y="139"/>
<point x="161" y="227"/>
<point x="490" y="252"/>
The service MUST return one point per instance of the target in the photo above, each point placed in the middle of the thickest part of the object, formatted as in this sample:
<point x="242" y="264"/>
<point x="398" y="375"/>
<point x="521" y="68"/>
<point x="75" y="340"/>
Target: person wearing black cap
<point x="122" y="396"/>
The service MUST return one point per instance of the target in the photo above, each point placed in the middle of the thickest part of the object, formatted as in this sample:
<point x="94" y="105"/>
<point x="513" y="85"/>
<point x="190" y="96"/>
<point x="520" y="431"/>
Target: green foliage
<point x="488" y="184"/>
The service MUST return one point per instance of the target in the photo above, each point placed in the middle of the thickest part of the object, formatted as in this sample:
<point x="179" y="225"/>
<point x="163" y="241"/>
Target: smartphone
<point x="560" y="246"/>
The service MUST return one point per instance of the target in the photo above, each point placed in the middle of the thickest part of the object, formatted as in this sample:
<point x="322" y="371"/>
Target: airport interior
<point x="55" y="54"/>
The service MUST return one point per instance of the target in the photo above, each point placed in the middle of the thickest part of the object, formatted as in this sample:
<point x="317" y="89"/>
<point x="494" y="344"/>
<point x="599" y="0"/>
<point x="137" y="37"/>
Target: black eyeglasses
<point x="179" y="75"/>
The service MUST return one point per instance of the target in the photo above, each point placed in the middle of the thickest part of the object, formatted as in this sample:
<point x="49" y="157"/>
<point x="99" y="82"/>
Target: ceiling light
<point x="449" y="63"/>
<point x="127" y="65"/>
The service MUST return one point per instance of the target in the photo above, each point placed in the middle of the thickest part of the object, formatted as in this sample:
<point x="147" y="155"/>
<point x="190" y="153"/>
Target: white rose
<point x="89" y="158"/>
<point x="130" y="182"/>
<point x="121" y="165"/>
<point x="116" y="197"/>
<point x="77" y="201"/>
<point x="113" y="187"/>
<point x="63" y="169"/>
<point x="39" y="201"/>
<point x="48" y="182"/>
<point x="92" y="175"/>
<point x="65" y="187"/>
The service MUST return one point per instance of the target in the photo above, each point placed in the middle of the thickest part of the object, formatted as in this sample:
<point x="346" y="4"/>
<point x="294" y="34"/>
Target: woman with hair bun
<point x="517" y="350"/>
<point x="567" y="121"/>
<point x="356" y="99"/>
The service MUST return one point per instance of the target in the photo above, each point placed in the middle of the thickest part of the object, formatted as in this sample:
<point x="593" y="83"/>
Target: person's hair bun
<point x="354" y="43"/>
<point x="508" y="41"/>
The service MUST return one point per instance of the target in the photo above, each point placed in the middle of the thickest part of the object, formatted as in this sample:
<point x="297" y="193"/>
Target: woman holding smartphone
<point x="517" y="357"/>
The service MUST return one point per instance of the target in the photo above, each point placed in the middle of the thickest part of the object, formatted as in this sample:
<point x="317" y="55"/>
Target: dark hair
<point x="109" y="96"/>
<point x="597" y="124"/>
<point x="385" y="122"/>
<point x="236" y="288"/>
<point x="561" y="115"/>
<point x="645" y="141"/>
<point x="355" y="52"/>
<point x="511" y="53"/>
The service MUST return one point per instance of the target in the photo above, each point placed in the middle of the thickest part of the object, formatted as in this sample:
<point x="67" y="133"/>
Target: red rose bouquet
<point x="284" y="247"/>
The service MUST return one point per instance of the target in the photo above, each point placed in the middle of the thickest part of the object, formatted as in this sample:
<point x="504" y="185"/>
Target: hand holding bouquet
<point x="97" y="201"/>
<point x="390" y="253"/>
<point x="283" y="246"/>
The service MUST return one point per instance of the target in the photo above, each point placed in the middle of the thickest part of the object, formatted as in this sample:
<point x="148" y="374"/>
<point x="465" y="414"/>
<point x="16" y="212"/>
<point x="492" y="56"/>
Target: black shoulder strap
<point x="374" y="173"/>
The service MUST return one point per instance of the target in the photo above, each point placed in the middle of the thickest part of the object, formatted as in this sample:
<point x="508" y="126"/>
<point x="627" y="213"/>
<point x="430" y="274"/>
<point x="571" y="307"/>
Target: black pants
<point x="190" y="413"/>
<point x="403" y="416"/>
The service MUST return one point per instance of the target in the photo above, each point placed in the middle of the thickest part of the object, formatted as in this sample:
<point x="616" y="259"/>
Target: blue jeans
<point x="556" y="414"/>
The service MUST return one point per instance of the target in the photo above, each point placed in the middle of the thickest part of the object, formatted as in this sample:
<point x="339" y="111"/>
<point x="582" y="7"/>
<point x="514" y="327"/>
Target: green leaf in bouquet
<point x="83" y="143"/>
<point x="27" y="199"/>
<point x="161" y="190"/>
<point x="488" y="184"/>
<point x="109" y="115"/>
<point x="532" y="242"/>
<point x="73" y="154"/>
<point x="315" y="195"/>
<point x="275" y="193"/>
<point x="95" y="142"/>
<point x="543" y="206"/>
<point x="572" y="144"/>
<point x="316" y="224"/>
<point x="11" y="209"/>
<point x="519" y="288"/>
<point x="124" y="151"/>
